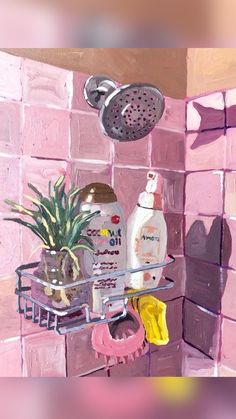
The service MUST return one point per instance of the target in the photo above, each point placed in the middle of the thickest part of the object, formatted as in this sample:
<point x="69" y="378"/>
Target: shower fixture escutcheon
<point x="128" y="112"/>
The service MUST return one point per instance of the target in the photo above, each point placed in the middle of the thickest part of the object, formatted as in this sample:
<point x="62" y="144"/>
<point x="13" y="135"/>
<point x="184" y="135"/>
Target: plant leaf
<point x="73" y="256"/>
<point x="35" y="190"/>
<point x="74" y="233"/>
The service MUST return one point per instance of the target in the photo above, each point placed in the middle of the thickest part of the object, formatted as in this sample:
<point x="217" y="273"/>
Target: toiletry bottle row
<point x="146" y="239"/>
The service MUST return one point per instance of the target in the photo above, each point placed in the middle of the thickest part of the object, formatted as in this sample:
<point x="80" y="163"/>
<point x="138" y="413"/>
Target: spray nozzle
<point x="152" y="182"/>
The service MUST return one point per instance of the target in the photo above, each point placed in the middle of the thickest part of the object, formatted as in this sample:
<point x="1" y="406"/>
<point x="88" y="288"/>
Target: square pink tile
<point x="39" y="173"/>
<point x="29" y="328"/>
<point x="81" y="358"/>
<point x="78" y="100"/>
<point x="205" y="150"/>
<point x="45" y="84"/>
<point x="229" y="243"/>
<point x="10" y="245"/>
<point x="44" y="355"/>
<point x="31" y="246"/>
<point x="10" y="76"/>
<point x="133" y="153"/>
<point x="173" y="191"/>
<point x="87" y="139"/>
<point x="226" y="372"/>
<point x="10" y="319"/>
<point x="228" y="345"/>
<point x="204" y="192"/>
<point x="9" y="181"/>
<point x="229" y="292"/>
<point x="174" y="224"/>
<point x="168" y="149"/>
<point x="10" y="128"/>
<point x="230" y="101"/>
<point x="203" y="237"/>
<point x="83" y="173"/>
<point x="196" y="364"/>
<point x="231" y="148"/>
<point x="128" y="183"/>
<point x="206" y="112"/>
<point x="230" y="193"/>
<point x="174" y="115"/>
<point x="10" y="358"/>
<point x="46" y="132"/>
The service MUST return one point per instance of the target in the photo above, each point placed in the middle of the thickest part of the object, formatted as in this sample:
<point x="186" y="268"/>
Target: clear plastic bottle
<point x="108" y="233"/>
<point x="147" y="235"/>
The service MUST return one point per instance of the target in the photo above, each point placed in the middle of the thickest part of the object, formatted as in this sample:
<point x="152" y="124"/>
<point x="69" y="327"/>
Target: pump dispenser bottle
<point x="147" y="234"/>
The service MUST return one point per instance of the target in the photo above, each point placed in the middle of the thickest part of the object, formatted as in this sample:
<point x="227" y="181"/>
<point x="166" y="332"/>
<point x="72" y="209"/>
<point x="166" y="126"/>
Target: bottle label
<point x="109" y="253"/>
<point x="148" y="244"/>
<point x="148" y="249"/>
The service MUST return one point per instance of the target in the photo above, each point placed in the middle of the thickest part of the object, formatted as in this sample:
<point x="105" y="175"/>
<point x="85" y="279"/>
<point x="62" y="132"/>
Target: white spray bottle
<point x="147" y="235"/>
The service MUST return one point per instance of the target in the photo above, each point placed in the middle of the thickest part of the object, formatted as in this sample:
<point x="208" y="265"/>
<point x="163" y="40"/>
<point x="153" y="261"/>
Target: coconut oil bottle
<point x="108" y="233"/>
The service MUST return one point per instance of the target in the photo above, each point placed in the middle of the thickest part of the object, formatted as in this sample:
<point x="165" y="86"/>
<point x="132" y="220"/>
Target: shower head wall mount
<point x="128" y="112"/>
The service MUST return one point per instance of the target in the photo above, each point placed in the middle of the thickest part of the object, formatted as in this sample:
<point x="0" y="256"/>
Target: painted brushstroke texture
<point x="10" y="128"/>
<point x="45" y="84"/>
<point x="10" y="77"/>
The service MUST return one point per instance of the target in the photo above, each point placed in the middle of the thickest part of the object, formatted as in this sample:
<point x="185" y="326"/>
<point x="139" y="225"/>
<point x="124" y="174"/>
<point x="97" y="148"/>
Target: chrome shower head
<point x="127" y="113"/>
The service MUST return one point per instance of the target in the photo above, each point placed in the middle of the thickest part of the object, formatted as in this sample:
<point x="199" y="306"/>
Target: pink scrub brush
<point x="121" y="341"/>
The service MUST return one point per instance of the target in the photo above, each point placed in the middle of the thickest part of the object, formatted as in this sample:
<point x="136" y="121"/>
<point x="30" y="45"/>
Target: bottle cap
<point x="98" y="193"/>
<point x="151" y="197"/>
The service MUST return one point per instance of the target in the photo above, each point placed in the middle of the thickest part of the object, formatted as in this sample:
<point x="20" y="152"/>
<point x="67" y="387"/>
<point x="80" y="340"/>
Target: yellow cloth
<point x="153" y="315"/>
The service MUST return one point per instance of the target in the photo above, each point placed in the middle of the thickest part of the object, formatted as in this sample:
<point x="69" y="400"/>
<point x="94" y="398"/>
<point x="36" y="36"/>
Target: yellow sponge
<point x="153" y="315"/>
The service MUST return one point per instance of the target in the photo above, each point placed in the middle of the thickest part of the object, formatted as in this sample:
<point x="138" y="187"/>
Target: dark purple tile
<point x="81" y="359"/>
<point x="203" y="284"/>
<point x="137" y="368"/>
<point x="168" y="149"/>
<point x="201" y="328"/>
<point x="229" y="241"/>
<point x="203" y="237"/>
<point x="173" y="191"/>
<point x="174" y="316"/>
<point x="166" y="361"/>
<point x="230" y="100"/>
<point x="99" y="373"/>
<point x="176" y="272"/>
<point x="174" y="224"/>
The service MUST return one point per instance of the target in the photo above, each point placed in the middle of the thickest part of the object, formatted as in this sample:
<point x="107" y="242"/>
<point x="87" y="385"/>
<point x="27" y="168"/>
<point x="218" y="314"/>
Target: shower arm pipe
<point x="115" y="274"/>
<point x="101" y="89"/>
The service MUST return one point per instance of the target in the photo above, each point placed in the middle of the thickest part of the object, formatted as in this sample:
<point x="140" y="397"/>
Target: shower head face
<point x="131" y="112"/>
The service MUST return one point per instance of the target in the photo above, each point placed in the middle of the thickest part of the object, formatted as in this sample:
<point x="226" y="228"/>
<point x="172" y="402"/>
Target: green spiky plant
<point x="56" y="220"/>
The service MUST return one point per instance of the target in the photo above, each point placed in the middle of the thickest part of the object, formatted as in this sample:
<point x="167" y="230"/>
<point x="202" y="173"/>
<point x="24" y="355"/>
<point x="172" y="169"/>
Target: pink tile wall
<point x="47" y="129"/>
<point x="210" y="228"/>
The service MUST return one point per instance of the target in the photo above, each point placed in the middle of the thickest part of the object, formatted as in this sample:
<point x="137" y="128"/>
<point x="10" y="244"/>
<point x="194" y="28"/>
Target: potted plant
<point x="59" y="224"/>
